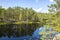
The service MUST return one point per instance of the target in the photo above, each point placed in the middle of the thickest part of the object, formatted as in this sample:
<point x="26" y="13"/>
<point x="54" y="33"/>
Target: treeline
<point x="10" y="15"/>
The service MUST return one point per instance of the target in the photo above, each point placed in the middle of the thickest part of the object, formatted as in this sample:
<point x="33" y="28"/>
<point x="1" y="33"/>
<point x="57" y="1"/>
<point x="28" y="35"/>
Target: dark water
<point x="20" y="38"/>
<point x="35" y="36"/>
<point x="12" y="38"/>
<point x="14" y="30"/>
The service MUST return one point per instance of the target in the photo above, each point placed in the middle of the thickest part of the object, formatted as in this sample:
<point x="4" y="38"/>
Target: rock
<point x="45" y="33"/>
<point x="56" y="37"/>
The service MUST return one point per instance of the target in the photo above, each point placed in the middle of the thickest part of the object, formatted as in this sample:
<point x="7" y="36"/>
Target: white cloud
<point x="37" y="10"/>
<point x="41" y="10"/>
<point x="51" y="0"/>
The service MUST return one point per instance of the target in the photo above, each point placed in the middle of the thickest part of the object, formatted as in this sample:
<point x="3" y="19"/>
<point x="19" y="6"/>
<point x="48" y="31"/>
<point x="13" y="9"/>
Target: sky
<point x="37" y="5"/>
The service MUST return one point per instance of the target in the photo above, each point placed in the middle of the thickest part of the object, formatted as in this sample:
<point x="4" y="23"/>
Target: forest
<point x="19" y="21"/>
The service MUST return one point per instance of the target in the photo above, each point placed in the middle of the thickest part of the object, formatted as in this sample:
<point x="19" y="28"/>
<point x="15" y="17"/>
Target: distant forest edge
<point x="17" y="15"/>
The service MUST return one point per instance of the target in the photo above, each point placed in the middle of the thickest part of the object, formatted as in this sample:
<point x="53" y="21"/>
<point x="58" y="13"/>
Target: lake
<point x="35" y="36"/>
<point x="48" y="32"/>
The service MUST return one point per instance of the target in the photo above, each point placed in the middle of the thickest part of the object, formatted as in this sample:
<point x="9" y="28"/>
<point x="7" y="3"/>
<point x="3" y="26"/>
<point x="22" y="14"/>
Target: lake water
<point x="35" y="35"/>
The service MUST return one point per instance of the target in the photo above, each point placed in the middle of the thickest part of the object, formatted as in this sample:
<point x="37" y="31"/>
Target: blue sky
<point x="37" y="5"/>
